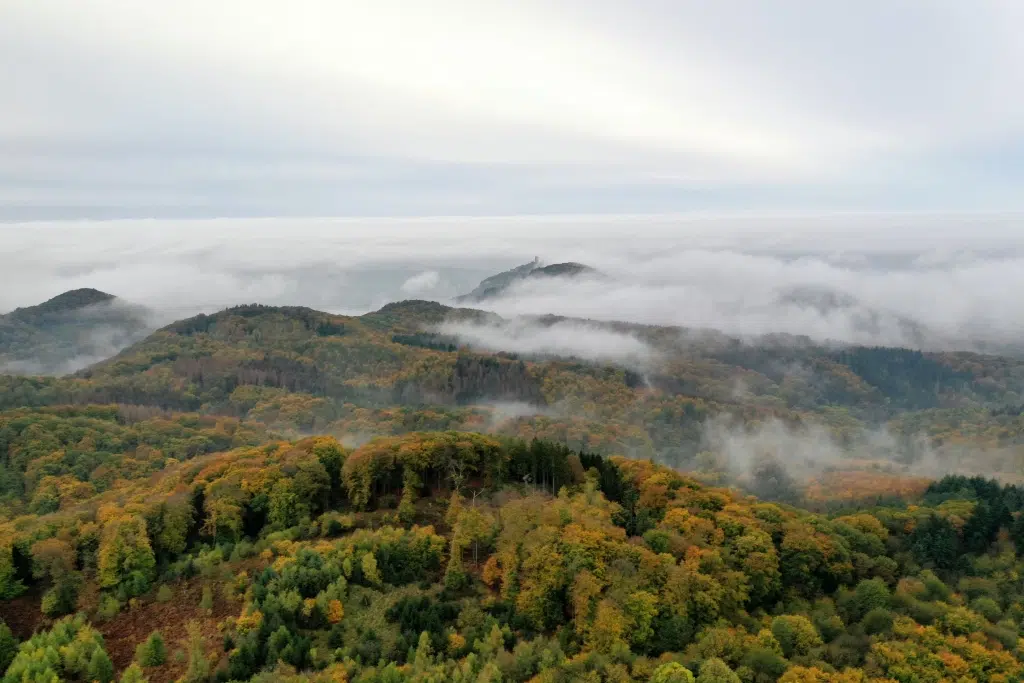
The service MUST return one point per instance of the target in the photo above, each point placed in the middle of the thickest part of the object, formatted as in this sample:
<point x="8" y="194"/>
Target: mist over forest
<point x="749" y="312"/>
<point x="938" y="282"/>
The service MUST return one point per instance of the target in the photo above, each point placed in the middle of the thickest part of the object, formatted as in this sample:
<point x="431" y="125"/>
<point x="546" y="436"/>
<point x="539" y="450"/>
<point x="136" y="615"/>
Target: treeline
<point x="427" y="340"/>
<point x="53" y="458"/>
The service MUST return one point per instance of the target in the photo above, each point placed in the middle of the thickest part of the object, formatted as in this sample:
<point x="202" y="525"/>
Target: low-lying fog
<point x="924" y="280"/>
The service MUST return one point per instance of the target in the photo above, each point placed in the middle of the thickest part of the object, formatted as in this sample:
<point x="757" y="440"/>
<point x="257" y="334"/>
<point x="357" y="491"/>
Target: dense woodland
<point x="279" y="494"/>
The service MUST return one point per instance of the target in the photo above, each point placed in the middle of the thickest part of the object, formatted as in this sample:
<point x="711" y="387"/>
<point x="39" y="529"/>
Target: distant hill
<point x="69" y="331"/>
<point x="496" y="285"/>
<point x="298" y="370"/>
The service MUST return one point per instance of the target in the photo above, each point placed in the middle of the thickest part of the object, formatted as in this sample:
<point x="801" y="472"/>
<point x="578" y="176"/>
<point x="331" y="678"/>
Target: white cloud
<point x="422" y="282"/>
<point x="575" y="339"/>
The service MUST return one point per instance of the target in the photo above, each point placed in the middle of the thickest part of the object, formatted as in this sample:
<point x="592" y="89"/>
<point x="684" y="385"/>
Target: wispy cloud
<point x="421" y="283"/>
<point x="572" y="339"/>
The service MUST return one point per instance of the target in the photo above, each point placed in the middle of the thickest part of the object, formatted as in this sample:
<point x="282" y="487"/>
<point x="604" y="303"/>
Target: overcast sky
<point x="392" y="107"/>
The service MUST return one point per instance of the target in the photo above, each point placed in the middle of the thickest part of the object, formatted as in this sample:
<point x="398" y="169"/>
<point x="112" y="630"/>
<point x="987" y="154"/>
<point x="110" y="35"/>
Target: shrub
<point x="164" y="593"/>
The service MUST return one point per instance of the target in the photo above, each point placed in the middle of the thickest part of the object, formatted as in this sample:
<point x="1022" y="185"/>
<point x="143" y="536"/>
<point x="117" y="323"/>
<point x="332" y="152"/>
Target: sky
<point x="128" y="109"/>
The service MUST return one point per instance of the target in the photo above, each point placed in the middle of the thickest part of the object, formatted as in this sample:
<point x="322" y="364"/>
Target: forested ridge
<point x="274" y="493"/>
<point x="302" y="370"/>
<point x="458" y="556"/>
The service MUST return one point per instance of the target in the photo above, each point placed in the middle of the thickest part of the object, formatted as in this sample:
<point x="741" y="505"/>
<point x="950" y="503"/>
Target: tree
<point x="935" y="542"/>
<point x="332" y="457"/>
<point x="133" y="674"/>
<point x="424" y="657"/>
<point x="100" y="667"/>
<point x="151" y="651"/>
<point x="125" y="555"/>
<point x="198" y="665"/>
<point x="285" y="508"/>
<point x="370" y="571"/>
<point x="55" y="559"/>
<point x="672" y="672"/>
<point x="606" y="632"/>
<point x="70" y="650"/>
<point x="870" y="594"/>
<point x="8" y="646"/>
<point x="796" y="634"/>
<point x="765" y="664"/>
<point x="10" y="585"/>
<point x="714" y="670"/>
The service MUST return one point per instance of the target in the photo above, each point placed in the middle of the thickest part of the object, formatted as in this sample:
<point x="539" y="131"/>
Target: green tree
<point x="765" y="665"/>
<point x="796" y="634"/>
<point x="8" y="646"/>
<point x="55" y="559"/>
<point x="424" y="657"/>
<point x="151" y="651"/>
<point x="869" y="594"/>
<point x="284" y="505"/>
<point x="68" y="651"/>
<point x="125" y="555"/>
<point x="133" y="674"/>
<point x="198" y="665"/>
<point x="672" y="672"/>
<point x="714" y="670"/>
<point x="100" y="667"/>
<point x="10" y="585"/>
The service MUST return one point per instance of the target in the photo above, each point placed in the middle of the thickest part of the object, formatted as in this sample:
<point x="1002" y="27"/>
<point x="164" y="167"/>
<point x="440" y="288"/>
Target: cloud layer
<point x="932" y="280"/>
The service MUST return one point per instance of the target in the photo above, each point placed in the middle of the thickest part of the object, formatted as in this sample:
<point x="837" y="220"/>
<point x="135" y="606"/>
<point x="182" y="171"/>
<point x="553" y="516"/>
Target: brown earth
<point x="22" y="614"/>
<point x="133" y="625"/>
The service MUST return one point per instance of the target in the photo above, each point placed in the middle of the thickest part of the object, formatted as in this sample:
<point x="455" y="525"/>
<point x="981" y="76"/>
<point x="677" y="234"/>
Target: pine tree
<point x="152" y="651"/>
<point x="100" y="667"/>
<point x="133" y="674"/>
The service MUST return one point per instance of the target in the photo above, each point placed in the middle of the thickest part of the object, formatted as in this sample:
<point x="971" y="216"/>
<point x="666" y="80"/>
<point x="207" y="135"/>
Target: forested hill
<point x="448" y="556"/>
<point x="297" y="370"/>
<point x="499" y="285"/>
<point x="283" y="494"/>
<point x="69" y="331"/>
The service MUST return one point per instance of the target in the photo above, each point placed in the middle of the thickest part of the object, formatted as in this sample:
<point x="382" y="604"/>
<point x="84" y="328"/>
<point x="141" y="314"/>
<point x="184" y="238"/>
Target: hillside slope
<point x="296" y="370"/>
<point x="69" y="331"/>
<point x="448" y="556"/>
